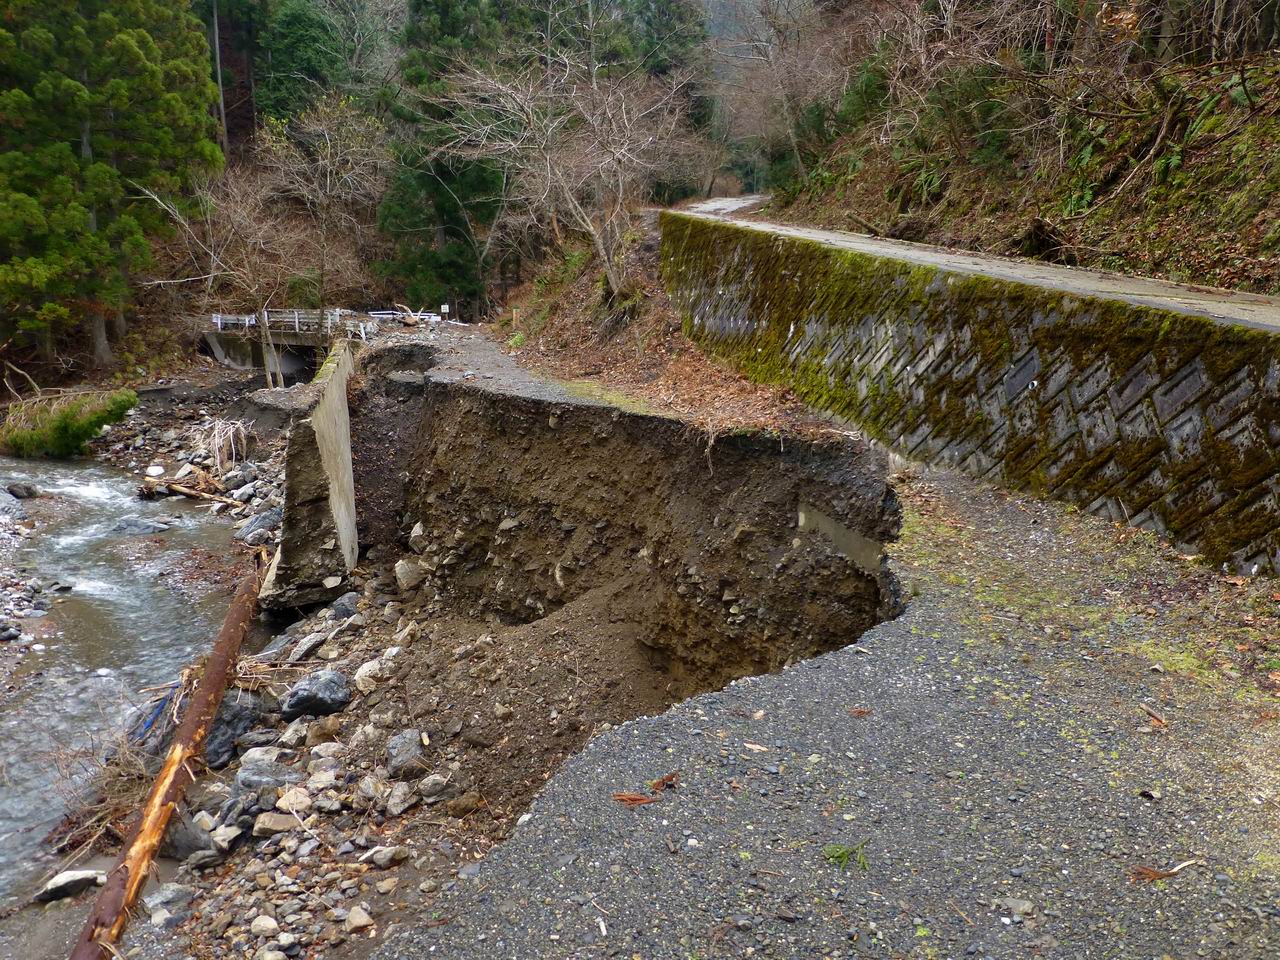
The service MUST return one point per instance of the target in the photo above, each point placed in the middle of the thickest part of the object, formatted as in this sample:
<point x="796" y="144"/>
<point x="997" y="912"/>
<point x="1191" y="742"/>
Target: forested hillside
<point x="161" y="161"/>
<point x="1138" y="137"/>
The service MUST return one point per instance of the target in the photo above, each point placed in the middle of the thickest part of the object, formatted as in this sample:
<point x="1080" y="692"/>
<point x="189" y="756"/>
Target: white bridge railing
<point x="339" y="321"/>
<point x="360" y="326"/>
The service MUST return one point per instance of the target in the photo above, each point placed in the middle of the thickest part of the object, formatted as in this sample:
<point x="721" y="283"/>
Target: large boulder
<point x="183" y="837"/>
<point x="237" y="715"/>
<point x="317" y="695"/>
<point x="10" y="507"/>
<point x="138" y="527"/>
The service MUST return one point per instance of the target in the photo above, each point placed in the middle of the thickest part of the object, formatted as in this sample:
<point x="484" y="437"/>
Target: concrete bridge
<point x="296" y="339"/>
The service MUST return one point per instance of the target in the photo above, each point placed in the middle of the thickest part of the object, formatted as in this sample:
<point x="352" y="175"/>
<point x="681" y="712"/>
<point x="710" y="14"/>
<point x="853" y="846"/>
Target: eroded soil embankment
<point x="538" y="569"/>
<point x="696" y="542"/>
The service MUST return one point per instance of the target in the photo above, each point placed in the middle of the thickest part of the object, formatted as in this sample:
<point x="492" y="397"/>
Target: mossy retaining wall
<point x="1166" y="420"/>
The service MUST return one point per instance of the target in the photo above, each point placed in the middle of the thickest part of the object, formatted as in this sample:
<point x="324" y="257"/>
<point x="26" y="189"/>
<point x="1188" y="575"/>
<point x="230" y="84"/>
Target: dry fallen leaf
<point x="634" y="799"/>
<point x="1142" y="874"/>
<point x="665" y="783"/>
<point x="756" y="748"/>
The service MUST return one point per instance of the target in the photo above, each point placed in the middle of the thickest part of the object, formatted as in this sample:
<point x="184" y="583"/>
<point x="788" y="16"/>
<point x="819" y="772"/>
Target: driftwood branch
<point x="152" y="482"/>
<point x="110" y="911"/>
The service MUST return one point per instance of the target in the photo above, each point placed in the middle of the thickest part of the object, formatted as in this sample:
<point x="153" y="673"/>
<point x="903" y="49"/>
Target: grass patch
<point x="841" y="855"/>
<point x="61" y="426"/>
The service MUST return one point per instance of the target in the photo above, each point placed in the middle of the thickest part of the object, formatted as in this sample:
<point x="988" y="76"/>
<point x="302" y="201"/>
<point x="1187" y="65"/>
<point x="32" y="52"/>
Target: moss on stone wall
<point x="1086" y="398"/>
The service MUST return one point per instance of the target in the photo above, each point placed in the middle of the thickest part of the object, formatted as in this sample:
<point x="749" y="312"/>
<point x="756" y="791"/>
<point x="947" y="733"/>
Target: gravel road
<point x="976" y="778"/>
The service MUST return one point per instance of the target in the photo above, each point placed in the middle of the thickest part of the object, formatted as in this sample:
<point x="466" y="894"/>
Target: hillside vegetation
<point x="1142" y="138"/>
<point x="1187" y="187"/>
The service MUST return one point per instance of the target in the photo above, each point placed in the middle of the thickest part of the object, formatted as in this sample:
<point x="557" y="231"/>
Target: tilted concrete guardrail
<point x="318" y="541"/>
<point x="1145" y="402"/>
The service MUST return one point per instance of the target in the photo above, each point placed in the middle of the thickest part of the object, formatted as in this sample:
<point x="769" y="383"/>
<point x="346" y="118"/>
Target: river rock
<point x="260" y="767"/>
<point x="271" y="823"/>
<point x="155" y="470"/>
<point x="169" y="896"/>
<point x="403" y="797"/>
<point x="244" y="494"/>
<point x="183" y="837"/>
<point x="405" y="755"/>
<point x="294" y="800"/>
<point x="265" y="522"/>
<point x="418" y="539"/>
<point x="324" y="730"/>
<point x="319" y="694"/>
<point x="294" y="735"/>
<point x="368" y="675"/>
<point x="383" y="857"/>
<point x="306" y="647"/>
<point x="433" y="786"/>
<point x="264" y="926"/>
<point x="23" y="491"/>
<point x="345" y="605"/>
<point x="138" y="527"/>
<point x="409" y="573"/>
<point x="11" y="508"/>
<point x="237" y="714"/>
<point x="70" y="882"/>
<point x="358" y="919"/>
<point x="225" y="836"/>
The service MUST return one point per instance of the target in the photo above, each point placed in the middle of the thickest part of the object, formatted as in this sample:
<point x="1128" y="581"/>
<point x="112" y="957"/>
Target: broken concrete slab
<point x="319" y="508"/>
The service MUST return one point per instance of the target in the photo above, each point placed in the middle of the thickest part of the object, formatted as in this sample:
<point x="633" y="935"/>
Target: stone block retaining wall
<point x="1166" y="420"/>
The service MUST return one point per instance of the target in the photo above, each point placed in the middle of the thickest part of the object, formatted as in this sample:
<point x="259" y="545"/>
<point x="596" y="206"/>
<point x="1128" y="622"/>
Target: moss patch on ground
<point x="1088" y="585"/>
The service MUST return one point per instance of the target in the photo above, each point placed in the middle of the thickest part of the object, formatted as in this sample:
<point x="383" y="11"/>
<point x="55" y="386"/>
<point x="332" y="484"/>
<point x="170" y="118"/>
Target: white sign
<point x="444" y="308"/>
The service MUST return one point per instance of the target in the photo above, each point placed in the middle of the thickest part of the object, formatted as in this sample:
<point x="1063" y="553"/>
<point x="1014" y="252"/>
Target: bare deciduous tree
<point x="369" y="34"/>
<point x="579" y="142"/>
<point x="778" y="58"/>
<point x="333" y="161"/>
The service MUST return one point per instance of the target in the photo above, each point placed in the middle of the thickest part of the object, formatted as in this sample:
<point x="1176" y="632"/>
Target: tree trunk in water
<point x="110" y="912"/>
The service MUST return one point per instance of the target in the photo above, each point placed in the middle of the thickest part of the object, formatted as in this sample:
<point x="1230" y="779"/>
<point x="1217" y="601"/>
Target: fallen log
<point x="153" y="482"/>
<point x="110" y="911"/>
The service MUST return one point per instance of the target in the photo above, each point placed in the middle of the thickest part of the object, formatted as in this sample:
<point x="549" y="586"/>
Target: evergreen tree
<point x="100" y="98"/>
<point x="298" y="59"/>
<point x="433" y="208"/>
